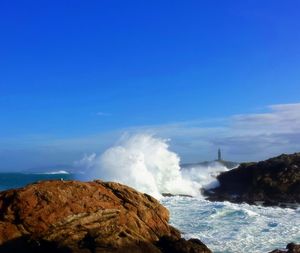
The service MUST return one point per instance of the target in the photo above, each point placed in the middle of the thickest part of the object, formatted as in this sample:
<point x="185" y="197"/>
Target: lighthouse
<point x="219" y="155"/>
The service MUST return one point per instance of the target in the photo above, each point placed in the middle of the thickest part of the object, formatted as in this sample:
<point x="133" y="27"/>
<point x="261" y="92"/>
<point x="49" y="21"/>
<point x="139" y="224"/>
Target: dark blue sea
<point x="17" y="180"/>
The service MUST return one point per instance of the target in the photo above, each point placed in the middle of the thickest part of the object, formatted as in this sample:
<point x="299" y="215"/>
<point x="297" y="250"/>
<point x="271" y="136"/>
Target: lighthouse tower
<point x="219" y="155"/>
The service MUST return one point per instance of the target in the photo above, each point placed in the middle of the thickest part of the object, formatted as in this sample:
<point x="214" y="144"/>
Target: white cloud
<point x="242" y="137"/>
<point x="283" y="118"/>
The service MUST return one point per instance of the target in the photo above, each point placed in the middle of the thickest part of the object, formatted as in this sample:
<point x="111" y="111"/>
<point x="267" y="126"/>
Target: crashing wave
<point x="146" y="163"/>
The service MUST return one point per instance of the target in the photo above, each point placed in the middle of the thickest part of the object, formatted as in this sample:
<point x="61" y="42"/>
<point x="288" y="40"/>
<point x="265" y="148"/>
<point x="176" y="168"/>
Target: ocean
<point x="147" y="164"/>
<point x="224" y="227"/>
<point x="17" y="180"/>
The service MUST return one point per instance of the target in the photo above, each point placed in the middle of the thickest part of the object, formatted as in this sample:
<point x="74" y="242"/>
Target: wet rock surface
<point x="86" y="217"/>
<point x="274" y="182"/>
<point x="290" y="248"/>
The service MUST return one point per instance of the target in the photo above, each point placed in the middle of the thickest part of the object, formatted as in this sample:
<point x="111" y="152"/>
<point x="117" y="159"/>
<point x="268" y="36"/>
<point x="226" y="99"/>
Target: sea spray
<point x="146" y="163"/>
<point x="143" y="162"/>
<point x="204" y="175"/>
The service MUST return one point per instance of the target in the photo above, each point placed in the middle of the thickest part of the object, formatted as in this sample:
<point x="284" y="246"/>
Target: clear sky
<point x="75" y="75"/>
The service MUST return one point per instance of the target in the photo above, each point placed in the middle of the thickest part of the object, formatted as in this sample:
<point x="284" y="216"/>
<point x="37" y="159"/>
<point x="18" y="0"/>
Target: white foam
<point x="143" y="162"/>
<point x="234" y="228"/>
<point x="204" y="175"/>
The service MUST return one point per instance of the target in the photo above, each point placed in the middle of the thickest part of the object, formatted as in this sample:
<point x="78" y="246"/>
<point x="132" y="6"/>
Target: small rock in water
<point x="290" y="248"/>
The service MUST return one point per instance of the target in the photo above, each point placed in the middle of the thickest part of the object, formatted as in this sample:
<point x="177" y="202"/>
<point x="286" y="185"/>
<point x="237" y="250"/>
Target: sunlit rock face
<point x="86" y="217"/>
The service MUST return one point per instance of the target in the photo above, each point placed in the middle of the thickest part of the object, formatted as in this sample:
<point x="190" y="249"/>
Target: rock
<point x="290" y="248"/>
<point x="84" y="217"/>
<point x="175" y="195"/>
<point x="171" y="245"/>
<point x="293" y="248"/>
<point x="274" y="182"/>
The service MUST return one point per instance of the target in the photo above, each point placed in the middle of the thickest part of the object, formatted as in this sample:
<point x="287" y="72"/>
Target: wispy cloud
<point x="103" y="114"/>
<point x="242" y="137"/>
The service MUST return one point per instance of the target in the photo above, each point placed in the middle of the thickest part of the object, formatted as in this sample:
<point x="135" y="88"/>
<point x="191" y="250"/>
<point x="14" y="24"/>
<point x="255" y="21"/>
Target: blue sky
<point x="76" y="75"/>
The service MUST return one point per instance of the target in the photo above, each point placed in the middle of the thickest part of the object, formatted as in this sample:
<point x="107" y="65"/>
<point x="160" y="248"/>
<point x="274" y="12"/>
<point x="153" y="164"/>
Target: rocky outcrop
<point x="172" y="245"/>
<point x="272" y="182"/>
<point x="86" y="217"/>
<point x="290" y="248"/>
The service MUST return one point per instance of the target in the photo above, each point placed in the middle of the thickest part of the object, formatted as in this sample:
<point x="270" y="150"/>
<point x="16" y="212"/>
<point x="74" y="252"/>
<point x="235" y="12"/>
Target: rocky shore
<point x="87" y="217"/>
<point x="105" y="217"/>
<point x="274" y="182"/>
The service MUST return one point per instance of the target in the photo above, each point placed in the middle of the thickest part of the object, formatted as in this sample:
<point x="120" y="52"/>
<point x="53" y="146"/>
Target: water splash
<point x="204" y="175"/>
<point x="143" y="162"/>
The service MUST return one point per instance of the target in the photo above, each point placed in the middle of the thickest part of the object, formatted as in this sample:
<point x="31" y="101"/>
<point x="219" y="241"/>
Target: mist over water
<point x="147" y="164"/>
<point x="204" y="175"/>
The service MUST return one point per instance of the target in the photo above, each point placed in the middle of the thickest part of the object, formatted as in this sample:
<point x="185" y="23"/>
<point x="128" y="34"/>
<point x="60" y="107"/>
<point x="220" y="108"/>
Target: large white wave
<point x="145" y="162"/>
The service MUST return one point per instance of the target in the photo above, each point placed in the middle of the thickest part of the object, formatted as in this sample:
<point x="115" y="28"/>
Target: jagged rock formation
<point x="275" y="181"/>
<point x="86" y="217"/>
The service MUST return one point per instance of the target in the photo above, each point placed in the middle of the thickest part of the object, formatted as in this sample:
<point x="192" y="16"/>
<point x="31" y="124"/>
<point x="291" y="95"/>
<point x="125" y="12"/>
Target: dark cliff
<point x="275" y="181"/>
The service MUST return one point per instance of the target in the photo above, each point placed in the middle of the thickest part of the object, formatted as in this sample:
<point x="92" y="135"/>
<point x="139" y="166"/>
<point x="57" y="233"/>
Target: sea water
<point x="226" y="227"/>
<point x="17" y="180"/>
<point x="147" y="164"/>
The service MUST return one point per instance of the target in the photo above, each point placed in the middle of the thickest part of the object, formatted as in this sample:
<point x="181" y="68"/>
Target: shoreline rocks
<point x="274" y="182"/>
<point x="290" y="248"/>
<point x="87" y="217"/>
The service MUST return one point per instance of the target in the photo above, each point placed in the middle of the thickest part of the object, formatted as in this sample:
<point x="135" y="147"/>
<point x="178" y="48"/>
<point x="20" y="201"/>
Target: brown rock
<point x="85" y="217"/>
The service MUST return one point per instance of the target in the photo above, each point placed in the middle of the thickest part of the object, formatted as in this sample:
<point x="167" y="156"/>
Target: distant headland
<point x="227" y="164"/>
